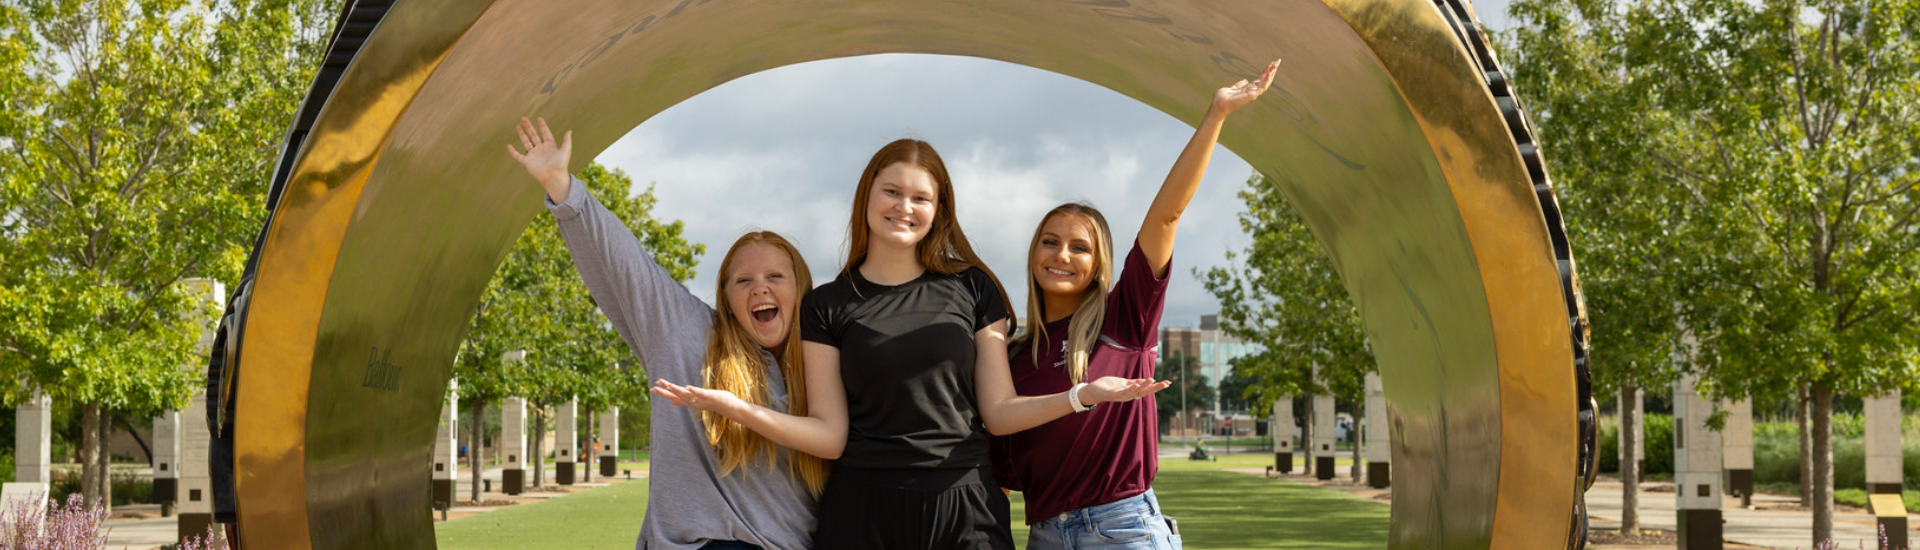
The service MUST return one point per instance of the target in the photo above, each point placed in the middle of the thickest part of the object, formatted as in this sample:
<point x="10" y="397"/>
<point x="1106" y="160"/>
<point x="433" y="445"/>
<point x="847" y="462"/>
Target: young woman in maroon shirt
<point x="1088" y="478"/>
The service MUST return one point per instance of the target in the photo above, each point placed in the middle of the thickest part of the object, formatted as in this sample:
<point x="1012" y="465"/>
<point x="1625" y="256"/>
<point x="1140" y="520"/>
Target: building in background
<point x="1215" y="351"/>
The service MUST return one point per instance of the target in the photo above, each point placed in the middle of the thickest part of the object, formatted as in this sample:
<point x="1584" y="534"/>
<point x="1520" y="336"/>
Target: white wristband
<point x="1073" y="398"/>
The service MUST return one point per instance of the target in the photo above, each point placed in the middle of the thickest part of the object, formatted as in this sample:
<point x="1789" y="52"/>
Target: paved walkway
<point x="1767" y="528"/>
<point x="1783" y="529"/>
<point x="141" y="534"/>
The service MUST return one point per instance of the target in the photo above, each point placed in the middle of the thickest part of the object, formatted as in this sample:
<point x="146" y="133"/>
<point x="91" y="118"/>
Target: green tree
<point x="537" y="303"/>
<point x="1640" y="255"/>
<point x="1782" y="141"/>
<point x="1191" y="391"/>
<point x="1283" y="294"/>
<point x="137" y="142"/>
<point x="1235" y="391"/>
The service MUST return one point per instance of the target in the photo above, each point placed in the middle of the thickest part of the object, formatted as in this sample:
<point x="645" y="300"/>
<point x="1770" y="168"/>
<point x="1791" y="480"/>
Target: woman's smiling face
<point x="902" y="205"/>
<point x="1062" y="259"/>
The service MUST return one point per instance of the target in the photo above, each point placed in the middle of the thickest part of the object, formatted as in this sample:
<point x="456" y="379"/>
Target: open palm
<point x="545" y="158"/>
<point x="1243" y="92"/>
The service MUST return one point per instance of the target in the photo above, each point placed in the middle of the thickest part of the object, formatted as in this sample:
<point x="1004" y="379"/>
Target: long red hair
<point x="734" y="364"/>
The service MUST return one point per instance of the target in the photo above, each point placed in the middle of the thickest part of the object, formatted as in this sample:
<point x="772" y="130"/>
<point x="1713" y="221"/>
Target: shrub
<point x="1776" y="453"/>
<point x="128" y="487"/>
<point x="1659" y="445"/>
<point x="211" y="541"/>
<point x="69" y="527"/>
<point x="1608" y="439"/>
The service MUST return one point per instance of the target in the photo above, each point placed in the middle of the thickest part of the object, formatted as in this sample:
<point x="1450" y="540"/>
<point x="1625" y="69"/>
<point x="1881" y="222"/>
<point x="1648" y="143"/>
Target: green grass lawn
<point x="1215" y="508"/>
<point x="1850" y="497"/>
<point x="607" y="517"/>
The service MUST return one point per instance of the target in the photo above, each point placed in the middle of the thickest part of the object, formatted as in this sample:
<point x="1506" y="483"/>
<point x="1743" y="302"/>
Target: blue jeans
<point x="1128" y="523"/>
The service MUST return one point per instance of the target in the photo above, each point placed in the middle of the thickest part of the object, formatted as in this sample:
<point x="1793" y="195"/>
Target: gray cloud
<point x="782" y="151"/>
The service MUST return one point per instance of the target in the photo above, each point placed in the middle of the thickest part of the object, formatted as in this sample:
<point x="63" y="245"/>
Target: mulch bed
<point x="1647" y="537"/>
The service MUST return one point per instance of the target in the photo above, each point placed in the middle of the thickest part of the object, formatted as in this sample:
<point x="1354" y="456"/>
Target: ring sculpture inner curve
<point x="1390" y="129"/>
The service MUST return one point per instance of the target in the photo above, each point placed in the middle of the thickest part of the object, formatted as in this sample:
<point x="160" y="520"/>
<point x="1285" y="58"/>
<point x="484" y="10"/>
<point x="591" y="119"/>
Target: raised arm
<point x="652" y="312"/>
<point x="822" y="432"/>
<point x="1163" y="217"/>
<point x="1005" y="412"/>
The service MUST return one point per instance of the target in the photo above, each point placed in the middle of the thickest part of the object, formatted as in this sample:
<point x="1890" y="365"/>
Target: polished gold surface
<point x="294" y="289"/>
<point x="1377" y="130"/>
<point x="1443" y="87"/>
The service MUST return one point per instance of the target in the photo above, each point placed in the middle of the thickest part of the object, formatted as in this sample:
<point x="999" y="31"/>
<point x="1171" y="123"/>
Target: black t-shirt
<point x="906" y="359"/>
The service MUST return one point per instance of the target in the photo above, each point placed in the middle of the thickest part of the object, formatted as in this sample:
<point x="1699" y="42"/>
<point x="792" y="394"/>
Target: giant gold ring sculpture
<point x="1391" y="131"/>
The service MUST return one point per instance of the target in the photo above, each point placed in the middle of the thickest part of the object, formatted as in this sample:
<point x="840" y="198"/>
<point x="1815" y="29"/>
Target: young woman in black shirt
<point x="914" y="333"/>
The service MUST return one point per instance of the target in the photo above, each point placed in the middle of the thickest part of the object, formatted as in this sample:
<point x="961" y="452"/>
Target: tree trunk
<point x="1805" y="419"/>
<point x="1359" y="422"/>
<point x="106" y="459"/>
<point x="1306" y="438"/>
<point x="539" y="450"/>
<point x="91" y="447"/>
<point x="1822" y="461"/>
<point x="473" y="445"/>
<point x="1629" y="467"/>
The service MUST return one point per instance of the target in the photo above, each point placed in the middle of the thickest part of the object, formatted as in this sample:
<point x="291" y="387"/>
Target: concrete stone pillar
<point x="610" y="441"/>
<point x="1283" y="430"/>
<point x="1323" y="437"/>
<point x="195" y="484"/>
<point x="166" y="461"/>
<point x="32" y="453"/>
<point x="513" y="437"/>
<point x="1378" y="450"/>
<point x="1737" y="443"/>
<point x="513" y="445"/>
<point x="1697" y="466"/>
<point x="194" y="489"/>
<point x="566" y="441"/>
<point x="446" y="449"/>
<point x="1882" y="436"/>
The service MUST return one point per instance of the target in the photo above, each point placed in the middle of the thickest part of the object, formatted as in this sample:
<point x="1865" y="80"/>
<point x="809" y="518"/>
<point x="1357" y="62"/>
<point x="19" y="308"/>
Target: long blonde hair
<point x="734" y="364"/>
<point x="1084" y="331"/>
<point x="945" y="249"/>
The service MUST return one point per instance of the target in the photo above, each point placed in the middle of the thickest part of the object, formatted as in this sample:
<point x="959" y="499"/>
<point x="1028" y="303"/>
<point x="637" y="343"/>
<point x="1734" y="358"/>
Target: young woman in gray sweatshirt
<point x="713" y="484"/>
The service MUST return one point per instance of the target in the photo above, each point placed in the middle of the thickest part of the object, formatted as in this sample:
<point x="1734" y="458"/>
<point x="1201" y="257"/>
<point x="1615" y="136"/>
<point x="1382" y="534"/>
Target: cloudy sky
<point x="782" y="150"/>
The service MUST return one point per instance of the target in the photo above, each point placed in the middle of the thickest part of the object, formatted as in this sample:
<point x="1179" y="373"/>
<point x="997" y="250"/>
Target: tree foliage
<point x="536" y="302"/>
<point x="1747" y="172"/>
<point x="1637" y="239"/>
<point x="1191" y="391"/>
<point x="137" y="142"/>
<point x="1283" y="294"/>
<point x="134" y="153"/>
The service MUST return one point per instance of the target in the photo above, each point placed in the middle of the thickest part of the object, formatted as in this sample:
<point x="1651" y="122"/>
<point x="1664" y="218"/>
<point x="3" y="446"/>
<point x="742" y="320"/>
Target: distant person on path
<point x="1088" y="478"/>
<point x="914" y="331"/>
<point x="714" y="484"/>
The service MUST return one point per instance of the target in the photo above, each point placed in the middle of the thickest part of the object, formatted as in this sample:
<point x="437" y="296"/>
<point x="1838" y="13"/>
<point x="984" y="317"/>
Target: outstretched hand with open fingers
<point x="1109" y="389"/>
<point x="1243" y="92"/>
<point x="696" y="397"/>
<point x="544" y="158"/>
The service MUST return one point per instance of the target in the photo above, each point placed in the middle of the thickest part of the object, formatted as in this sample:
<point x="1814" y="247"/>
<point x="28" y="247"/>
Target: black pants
<point x="913" y="509"/>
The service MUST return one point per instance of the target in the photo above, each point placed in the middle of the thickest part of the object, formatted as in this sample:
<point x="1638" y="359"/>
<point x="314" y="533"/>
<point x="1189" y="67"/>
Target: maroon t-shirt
<point x="1112" y="451"/>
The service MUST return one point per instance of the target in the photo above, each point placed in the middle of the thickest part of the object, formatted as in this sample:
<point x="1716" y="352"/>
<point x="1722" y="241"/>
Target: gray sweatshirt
<point x="688" y="501"/>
